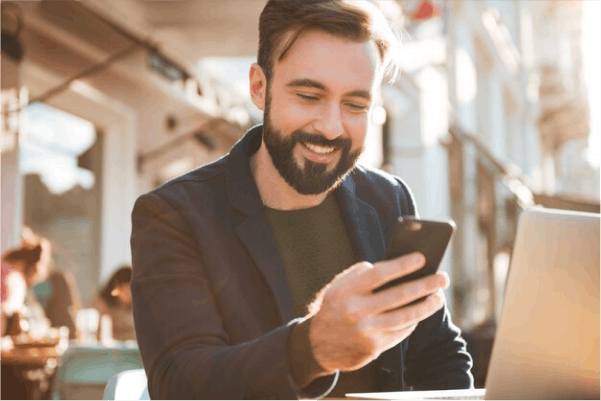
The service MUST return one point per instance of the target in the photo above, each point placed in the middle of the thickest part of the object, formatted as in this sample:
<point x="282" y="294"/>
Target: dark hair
<point x="28" y="254"/>
<point x="33" y="253"/>
<point x="358" y="21"/>
<point x="121" y="276"/>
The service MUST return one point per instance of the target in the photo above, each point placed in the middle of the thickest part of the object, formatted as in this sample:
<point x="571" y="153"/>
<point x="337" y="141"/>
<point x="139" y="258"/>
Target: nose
<point x="329" y="122"/>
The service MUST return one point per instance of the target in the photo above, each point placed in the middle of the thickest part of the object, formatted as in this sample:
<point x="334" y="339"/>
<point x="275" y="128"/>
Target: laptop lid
<point x="547" y="341"/>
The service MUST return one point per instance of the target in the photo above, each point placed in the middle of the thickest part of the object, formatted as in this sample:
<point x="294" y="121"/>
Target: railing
<point x="507" y="172"/>
<point x="497" y="228"/>
<point x="513" y="179"/>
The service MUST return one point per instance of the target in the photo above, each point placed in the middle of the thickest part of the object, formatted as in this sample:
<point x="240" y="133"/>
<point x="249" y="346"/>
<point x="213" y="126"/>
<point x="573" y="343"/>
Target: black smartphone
<point x="431" y="238"/>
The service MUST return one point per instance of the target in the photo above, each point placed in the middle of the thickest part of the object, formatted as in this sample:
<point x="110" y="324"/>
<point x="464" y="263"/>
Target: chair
<point x="127" y="385"/>
<point x="84" y="371"/>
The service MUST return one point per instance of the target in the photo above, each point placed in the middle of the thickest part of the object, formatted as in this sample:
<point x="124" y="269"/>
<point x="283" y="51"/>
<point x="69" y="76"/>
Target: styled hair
<point x="121" y="276"/>
<point x="357" y="21"/>
<point x="30" y="255"/>
<point x="25" y="257"/>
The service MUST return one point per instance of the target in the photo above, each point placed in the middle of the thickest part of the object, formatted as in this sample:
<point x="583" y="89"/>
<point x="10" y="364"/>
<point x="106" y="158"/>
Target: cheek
<point x="289" y="116"/>
<point x="357" y="129"/>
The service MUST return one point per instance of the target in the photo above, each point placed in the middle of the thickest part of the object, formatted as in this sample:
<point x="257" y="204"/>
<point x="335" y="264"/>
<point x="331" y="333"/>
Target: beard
<point x="311" y="178"/>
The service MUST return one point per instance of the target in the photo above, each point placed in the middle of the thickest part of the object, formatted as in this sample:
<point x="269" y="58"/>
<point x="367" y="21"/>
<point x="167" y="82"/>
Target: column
<point x="11" y="195"/>
<point x="119" y="192"/>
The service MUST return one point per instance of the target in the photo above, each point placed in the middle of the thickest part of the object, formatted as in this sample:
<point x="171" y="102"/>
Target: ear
<point x="258" y="86"/>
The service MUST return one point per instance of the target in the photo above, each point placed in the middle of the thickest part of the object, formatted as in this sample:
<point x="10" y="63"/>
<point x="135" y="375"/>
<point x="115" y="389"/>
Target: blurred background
<point x="497" y="108"/>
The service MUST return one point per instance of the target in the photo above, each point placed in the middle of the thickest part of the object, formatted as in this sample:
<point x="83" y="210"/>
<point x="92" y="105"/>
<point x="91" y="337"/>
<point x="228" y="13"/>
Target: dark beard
<point x="312" y="178"/>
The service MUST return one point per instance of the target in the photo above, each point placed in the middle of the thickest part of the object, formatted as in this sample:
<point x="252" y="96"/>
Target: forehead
<point x="335" y="62"/>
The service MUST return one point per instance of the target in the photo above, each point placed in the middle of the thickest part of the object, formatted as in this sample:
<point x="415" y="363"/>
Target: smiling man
<point x="254" y="275"/>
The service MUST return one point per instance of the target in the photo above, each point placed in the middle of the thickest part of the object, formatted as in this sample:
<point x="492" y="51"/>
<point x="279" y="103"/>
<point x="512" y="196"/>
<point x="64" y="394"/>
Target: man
<point x="254" y="275"/>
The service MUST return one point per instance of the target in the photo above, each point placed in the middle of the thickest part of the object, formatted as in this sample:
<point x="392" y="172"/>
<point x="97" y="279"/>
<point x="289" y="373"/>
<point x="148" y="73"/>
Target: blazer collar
<point x="241" y="187"/>
<point x="365" y="230"/>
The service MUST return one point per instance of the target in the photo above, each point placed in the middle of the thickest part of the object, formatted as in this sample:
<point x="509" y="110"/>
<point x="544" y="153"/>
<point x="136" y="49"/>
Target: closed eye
<point x="309" y="98"/>
<point x="357" y="107"/>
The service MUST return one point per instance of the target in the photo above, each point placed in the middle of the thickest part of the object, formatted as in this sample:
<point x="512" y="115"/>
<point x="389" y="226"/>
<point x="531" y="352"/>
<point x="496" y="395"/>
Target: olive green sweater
<point x="315" y="247"/>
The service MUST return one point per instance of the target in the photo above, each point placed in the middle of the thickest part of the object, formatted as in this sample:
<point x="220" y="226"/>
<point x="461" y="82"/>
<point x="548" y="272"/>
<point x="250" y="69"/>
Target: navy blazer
<point x="212" y="308"/>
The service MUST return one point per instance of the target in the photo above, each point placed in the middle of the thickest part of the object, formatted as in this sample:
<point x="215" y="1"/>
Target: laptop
<point x="547" y="341"/>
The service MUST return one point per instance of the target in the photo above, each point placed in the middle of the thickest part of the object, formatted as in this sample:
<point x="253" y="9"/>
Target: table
<point x="28" y="369"/>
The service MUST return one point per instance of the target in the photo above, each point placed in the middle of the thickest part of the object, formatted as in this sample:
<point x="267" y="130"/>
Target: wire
<point x="95" y="68"/>
<point x="90" y="71"/>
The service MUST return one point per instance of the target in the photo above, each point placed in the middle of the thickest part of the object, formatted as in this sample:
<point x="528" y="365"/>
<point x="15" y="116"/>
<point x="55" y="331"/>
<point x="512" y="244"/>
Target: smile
<point x="320" y="150"/>
<point x="319" y="154"/>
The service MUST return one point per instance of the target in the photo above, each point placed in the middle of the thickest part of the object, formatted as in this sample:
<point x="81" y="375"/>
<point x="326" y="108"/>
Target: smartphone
<point x="431" y="238"/>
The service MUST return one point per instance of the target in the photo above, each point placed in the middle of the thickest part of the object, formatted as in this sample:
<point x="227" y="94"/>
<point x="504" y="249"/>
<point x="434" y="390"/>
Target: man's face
<point x="316" y="110"/>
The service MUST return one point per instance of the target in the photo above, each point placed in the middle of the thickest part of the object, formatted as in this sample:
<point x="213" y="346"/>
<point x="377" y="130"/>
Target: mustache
<point x="319" y="140"/>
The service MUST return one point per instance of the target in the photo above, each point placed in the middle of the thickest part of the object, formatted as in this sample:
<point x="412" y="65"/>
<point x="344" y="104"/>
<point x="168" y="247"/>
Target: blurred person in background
<point x="115" y="300"/>
<point x="60" y="299"/>
<point x="22" y="269"/>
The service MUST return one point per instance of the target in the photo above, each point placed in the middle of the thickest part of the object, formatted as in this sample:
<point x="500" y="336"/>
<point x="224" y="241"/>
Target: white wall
<point x="12" y="183"/>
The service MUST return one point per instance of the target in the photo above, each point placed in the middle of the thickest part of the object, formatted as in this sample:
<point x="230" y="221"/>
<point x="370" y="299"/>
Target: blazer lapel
<point x="253" y="230"/>
<point x="256" y="234"/>
<point x="365" y="230"/>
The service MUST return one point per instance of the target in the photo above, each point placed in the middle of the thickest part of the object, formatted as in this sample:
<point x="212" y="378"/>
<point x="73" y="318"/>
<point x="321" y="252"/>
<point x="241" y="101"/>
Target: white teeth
<point x="323" y="150"/>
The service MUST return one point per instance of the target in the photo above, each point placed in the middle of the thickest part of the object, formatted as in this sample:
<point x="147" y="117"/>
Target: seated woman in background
<point x="59" y="296"/>
<point x="22" y="268"/>
<point x="114" y="299"/>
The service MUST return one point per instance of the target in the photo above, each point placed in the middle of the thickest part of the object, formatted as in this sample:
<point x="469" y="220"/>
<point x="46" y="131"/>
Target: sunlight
<point x="591" y="60"/>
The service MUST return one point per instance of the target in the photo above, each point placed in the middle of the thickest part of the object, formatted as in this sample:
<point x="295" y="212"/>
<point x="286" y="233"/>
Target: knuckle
<point x="427" y="307"/>
<point x="353" y="309"/>
<point x="378" y="276"/>
<point x="364" y="265"/>
<point x="438" y="300"/>
<point x="331" y="294"/>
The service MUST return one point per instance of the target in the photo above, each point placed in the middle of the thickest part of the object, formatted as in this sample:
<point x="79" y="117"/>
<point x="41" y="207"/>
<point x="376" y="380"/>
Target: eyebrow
<point x="311" y="83"/>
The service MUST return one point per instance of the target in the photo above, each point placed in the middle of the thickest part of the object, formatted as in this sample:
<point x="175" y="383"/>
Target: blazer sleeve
<point x="181" y="337"/>
<point x="437" y="357"/>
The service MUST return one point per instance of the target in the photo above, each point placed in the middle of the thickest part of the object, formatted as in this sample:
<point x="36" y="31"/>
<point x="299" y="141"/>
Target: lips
<point x="320" y="150"/>
<point x="317" y="153"/>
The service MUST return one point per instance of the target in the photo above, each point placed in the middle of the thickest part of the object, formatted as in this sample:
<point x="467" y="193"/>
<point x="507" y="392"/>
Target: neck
<point x="273" y="189"/>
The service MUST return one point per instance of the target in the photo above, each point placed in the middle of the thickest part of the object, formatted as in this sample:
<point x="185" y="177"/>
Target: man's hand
<point x="353" y="326"/>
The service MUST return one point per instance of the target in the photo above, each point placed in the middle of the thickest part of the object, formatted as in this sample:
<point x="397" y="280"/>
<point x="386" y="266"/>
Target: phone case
<point x="431" y="238"/>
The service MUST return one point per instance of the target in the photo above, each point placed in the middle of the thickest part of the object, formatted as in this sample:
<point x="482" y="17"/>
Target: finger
<point x="409" y="315"/>
<point x="387" y="270"/>
<point x="350" y="276"/>
<point x="403" y="294"/>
